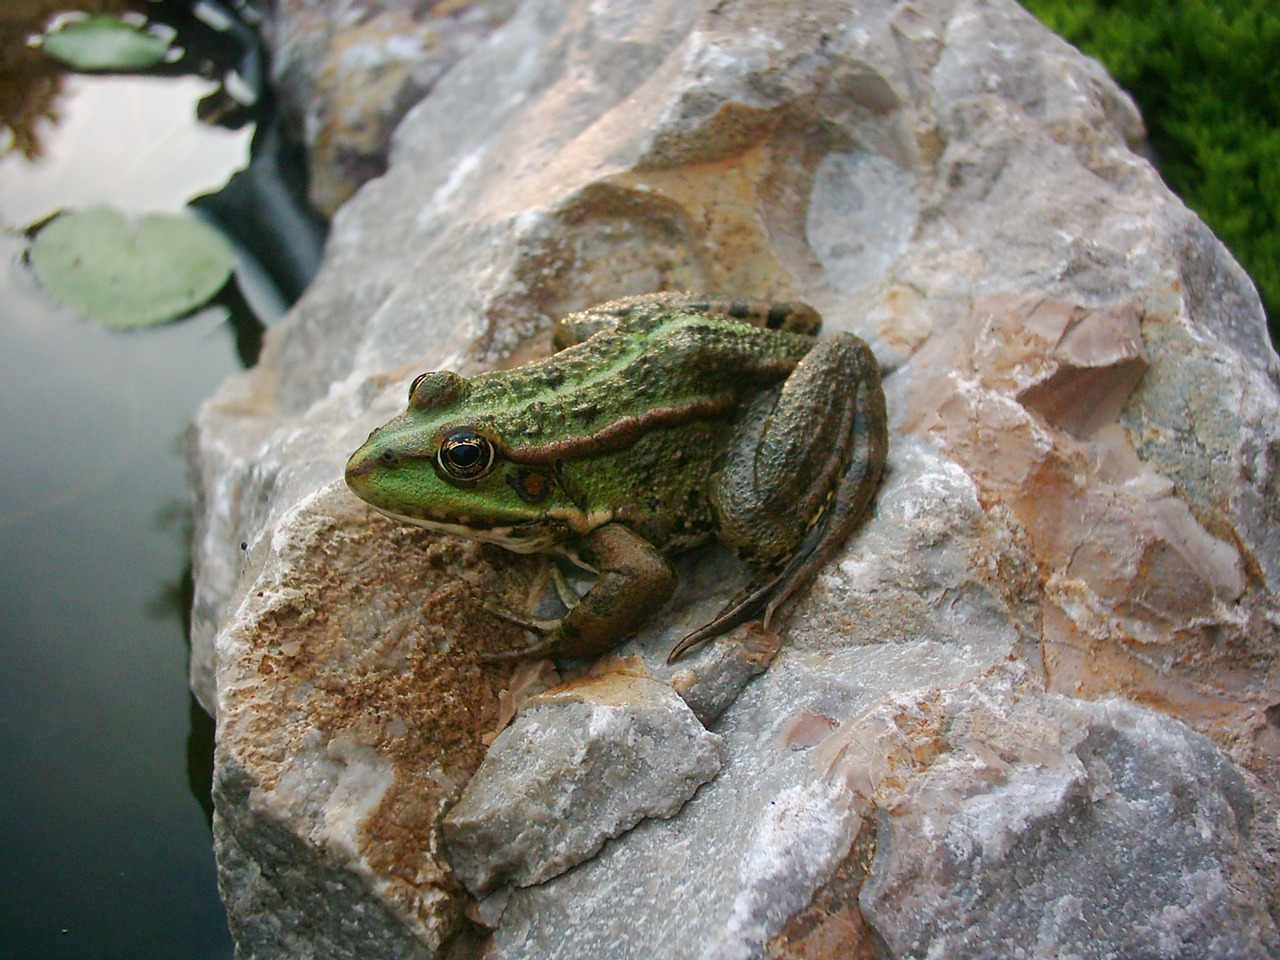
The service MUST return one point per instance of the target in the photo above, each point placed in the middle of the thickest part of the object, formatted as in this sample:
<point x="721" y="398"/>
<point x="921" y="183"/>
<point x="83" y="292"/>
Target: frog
<point x="661" y="422"/>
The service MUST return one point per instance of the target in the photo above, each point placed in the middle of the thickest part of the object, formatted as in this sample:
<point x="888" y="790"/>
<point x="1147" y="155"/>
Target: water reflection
<point x="102" y="851"/>
<point x="136" y="134"/>
<point x="99" y="836"/>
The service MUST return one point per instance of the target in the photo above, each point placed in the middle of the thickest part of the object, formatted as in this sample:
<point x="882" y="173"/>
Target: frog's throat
<point x="535" y="536"/>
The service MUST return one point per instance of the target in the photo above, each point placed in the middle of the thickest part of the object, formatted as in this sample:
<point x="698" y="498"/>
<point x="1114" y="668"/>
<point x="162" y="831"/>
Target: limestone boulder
<point x="1031" y="708"/>
<point x="348" y="72"/>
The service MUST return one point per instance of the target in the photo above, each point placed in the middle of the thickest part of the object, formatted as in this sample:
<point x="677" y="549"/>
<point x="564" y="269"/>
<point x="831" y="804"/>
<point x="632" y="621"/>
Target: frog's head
<point x="441" y="464"/>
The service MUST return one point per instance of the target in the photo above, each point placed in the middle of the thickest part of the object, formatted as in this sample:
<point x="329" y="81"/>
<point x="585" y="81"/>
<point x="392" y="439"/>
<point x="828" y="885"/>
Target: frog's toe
<point x="554" y="644"/>
<point x="531" y="652"/>
<point x="539" y="625"/>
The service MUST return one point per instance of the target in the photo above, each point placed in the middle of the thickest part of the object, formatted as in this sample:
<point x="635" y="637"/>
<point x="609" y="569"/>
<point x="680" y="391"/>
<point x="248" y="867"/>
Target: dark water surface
<point x="105" y="850"/>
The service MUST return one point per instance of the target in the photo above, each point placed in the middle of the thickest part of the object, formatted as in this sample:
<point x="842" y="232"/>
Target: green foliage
<point x="105" y="43"/>
<point x="1206" y="75"/>
<point x="128" y="273"/>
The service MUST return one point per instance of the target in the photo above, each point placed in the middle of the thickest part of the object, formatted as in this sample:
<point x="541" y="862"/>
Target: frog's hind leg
<point x="799" y="476"/>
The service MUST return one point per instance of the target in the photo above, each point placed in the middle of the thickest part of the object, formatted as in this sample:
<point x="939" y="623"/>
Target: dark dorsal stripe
<point x="624" y="431"/>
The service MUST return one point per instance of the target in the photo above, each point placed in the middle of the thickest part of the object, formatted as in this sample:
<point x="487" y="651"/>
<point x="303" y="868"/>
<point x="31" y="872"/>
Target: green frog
<point x="662" y="422"/>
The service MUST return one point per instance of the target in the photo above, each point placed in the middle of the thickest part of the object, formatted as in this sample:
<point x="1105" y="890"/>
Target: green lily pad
<point x="130" y="273"/>
<point x="105" y="43"/>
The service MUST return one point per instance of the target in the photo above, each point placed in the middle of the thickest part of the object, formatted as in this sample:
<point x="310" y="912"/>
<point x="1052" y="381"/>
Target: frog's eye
<point x="465" y="456"/>
<point x="437" y="388"/>
<point x="417" y="380"/>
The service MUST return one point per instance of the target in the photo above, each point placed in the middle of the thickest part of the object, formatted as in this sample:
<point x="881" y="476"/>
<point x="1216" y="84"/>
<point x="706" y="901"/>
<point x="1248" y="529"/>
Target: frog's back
<point x="653" y="370"/>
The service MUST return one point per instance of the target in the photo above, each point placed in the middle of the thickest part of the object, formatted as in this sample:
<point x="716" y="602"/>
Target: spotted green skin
<point x="665" y="421"/>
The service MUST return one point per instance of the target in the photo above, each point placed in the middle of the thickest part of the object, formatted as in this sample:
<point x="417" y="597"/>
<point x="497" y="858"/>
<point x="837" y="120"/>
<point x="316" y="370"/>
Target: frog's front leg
<point x="799" y="475"/>
<point x="635" y="580"/>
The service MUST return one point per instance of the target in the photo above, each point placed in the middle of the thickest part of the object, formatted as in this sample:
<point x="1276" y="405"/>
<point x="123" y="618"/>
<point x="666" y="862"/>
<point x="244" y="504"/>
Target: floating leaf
<point x="105" y="43"/>
<point x="128" y="274"/>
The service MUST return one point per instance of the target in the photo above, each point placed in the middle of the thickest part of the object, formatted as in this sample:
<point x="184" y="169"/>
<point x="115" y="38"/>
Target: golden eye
<point x="465" y="456"/>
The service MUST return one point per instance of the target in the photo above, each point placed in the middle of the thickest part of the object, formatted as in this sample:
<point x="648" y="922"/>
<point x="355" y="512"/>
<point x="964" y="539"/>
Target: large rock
<point x="1044" y="826"/>
<point x="998" y="820"/>
<point x="348" y="71"/>
<point x="578" y="767"/>
<point x="1033" y="707"/>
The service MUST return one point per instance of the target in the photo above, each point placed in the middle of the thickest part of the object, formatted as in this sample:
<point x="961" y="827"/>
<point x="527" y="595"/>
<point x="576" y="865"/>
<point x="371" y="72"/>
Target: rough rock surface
<point x="622" y="747"/>
<point x="1066" y="812"/>
<point x="1003" y="821"/>
<point x="1035" y="701"/>
<point x="348" y="71"/>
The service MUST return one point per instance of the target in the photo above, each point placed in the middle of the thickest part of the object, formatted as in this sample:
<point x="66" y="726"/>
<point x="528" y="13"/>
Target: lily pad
<point x="105" y="43"/>
<point x="130" y="273"/>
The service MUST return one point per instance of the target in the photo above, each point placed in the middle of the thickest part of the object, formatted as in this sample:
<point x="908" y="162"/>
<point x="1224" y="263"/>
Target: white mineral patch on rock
<point x="806" y="829"/>
<point x="862" y="214"/>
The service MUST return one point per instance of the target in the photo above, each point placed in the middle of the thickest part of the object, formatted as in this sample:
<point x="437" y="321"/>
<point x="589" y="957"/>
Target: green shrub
<point x="1206" y="76"/>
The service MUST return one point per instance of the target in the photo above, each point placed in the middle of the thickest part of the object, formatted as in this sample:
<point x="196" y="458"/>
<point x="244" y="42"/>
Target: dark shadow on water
<point x="201" y="727"/>
<point x="101" y="852"/>
<point x="200" y="759"/>
<point x="246" y="327"/>
<point x="264" y="209"/>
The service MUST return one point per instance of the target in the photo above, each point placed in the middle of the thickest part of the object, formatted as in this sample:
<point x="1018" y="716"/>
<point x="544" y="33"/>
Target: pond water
<point x="105" y="850"/>
<point x="105" y="846"/>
